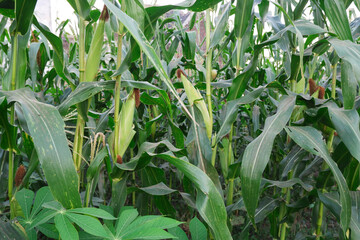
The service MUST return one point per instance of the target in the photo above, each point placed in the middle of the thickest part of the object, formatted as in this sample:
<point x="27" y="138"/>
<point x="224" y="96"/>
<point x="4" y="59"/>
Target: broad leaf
<point x="159" y="189"/>
<point x="311" y="140"/>
<point x="65" y="228"/>
<point x="257" y="154"/>
<point x="89" y="224"/>
<point x="85" y="90"/>
<point x="197" y="229"/>
<point x="47" y="130"/>
<point x="336" y="13"/>
<point x="346" y="123"/>
<point x="24" y="10"/>
<point x="133" y="28"/>
<point x="95" y="212"/>
<point x="242" y="16"/>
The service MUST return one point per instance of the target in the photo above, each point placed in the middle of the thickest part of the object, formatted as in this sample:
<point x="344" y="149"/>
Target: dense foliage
<point x="198" y="120"/>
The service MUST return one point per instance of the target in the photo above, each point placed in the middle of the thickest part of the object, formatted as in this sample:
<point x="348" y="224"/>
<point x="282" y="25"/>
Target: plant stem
<point x="80" y="123"/>
<point x="118" y="85"/>
<point x="329" y="147"/>
<point x="230" y="196"/>
<point x="238" y="52"/>
<point x="87" y="194"/>
<point x="283" y="209"/>
<point x="12" y="120"/>
<point x="208" y="64"/>
<point x="333" y="82"/>
<point x="213" y="155"/>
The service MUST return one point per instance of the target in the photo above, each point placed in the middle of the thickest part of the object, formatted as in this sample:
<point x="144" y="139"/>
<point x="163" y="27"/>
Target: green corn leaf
<point x="58" y="51"/>
<point x="81" y="7"/>
<point x="9" y="231"/>
<point x="231" y="110"/>
<point x="95" y="164"/>
<point x="93" y="58"/>
<point x="209" y="202"/>
<point x="133" y="28"/>
<point x="65" y="228"/>
<point x="348" y="84"/>
<point x="85" y="90"/>
<point x="18" y="63"/>
<point x="24" y="10"/>
<point x="242" y="16"/>
<point x="336" y="13"/>
<point x="220" y="28"/>
<point x="47" y="130"/>
<point x="346" y="123"/>
<point x="311" y="140"/>
<point x="8" y="139"/>
<point x="257" y="154"/>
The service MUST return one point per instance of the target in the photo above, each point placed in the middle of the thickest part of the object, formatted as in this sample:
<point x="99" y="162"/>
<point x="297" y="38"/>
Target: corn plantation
<point x="217" y="119"/>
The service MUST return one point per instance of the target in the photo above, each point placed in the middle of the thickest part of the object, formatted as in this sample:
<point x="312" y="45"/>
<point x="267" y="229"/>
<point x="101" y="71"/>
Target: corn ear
<point x="196" y="99"/>
<point x="93" y="59"/>
<point x="126" y="129"/>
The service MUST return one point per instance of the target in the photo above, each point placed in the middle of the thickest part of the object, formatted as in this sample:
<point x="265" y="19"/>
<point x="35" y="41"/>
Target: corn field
<point x="217" y="119"/>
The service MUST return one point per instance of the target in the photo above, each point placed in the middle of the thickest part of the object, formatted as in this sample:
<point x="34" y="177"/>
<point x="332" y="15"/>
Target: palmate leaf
<point x="132" y="226"/>
<point x="257" y="154"/>
<point x="65" y="228"/>
<point x="311" y="140"/>
<point x="197" y="229"/>
<point x="47" y="130"/>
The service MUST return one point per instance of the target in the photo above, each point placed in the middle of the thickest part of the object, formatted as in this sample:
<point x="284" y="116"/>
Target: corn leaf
<point x="336" y="13"/>
<point x="47" y="130"/>
<point x="133" y="28"/>
<point x="242" y="16"/>
<point x="257" y="154"/>
<point x="346" y="123"/>
<point x="24" y="10"/>
<point x="311" y="140"/>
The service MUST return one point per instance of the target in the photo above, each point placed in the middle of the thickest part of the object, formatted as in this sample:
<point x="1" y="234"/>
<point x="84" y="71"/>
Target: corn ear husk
<point x="196" y="99"/>
<point x="126" y="128"/>
<point x="93" y="59"/>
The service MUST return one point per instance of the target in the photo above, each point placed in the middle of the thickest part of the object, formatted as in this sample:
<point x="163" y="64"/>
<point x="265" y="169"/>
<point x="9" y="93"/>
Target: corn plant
<point x="233" y="119"/>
